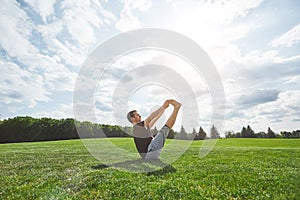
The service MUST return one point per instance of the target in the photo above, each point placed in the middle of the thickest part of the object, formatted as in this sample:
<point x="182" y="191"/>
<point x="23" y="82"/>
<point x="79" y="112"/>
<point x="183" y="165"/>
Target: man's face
<point x="136" y="118"/>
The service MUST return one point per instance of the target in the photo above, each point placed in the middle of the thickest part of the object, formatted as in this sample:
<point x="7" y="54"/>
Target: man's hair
<point x="130" y="115"/>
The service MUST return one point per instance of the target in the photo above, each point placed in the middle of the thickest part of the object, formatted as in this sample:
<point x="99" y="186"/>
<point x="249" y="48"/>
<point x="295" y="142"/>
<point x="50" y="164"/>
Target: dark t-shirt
<point x="142" y="138"/>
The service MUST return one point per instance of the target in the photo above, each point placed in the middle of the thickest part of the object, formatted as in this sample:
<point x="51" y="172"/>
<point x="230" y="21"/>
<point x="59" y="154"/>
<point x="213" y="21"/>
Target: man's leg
<point x="158" y="141"/>
<point x="172" y="118"/>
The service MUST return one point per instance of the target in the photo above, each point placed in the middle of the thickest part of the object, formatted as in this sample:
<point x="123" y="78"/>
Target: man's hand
<point x="166" y="104"/>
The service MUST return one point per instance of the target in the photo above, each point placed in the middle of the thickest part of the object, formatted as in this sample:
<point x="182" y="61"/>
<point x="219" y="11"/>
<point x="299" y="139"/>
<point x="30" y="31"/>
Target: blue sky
<point x="255" y="46"/>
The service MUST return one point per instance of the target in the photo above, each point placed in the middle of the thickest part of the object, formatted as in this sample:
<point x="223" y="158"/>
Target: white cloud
<point x="287" y="60"/>
<point x="43" y="8"/>
<point x="60" y="112"/>
<point x="279" y="114"/>
<point x="253" y="98"/>
<point x="15" y="29"/>
<point x="227" y="10"/>
<point x="206" y="16"/>
<point x="20" y="86"/>
<point x="292" y="79"/>
<point x="72" y="36"/>
<point x="67" y="52"/>
<point x="77" y="18"/>
<point x="258" y="58"/>
<point x="60" y="81"/>
<point x="285" y="109"/>
<point x="127" y="19"/>
<point x="142" y="5"/>
<point x="256" y="68"/>
<point x="288" y="39"/>
<point x="209" y="23"/>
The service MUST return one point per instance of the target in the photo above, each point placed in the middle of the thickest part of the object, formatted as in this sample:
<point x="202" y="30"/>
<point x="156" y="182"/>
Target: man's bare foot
<point x="174" y="103"/>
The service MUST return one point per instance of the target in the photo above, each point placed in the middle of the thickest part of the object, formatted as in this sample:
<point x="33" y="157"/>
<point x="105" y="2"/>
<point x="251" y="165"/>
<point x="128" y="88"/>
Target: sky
<point x="254" y="45"/>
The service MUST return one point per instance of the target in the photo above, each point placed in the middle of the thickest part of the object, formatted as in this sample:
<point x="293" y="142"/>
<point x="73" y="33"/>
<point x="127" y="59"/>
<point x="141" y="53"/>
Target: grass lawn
<point x="234" y="169"/>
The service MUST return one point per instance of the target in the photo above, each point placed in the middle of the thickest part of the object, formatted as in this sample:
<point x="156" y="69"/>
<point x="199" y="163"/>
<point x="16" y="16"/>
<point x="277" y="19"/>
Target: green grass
<point x="234" y="169"/>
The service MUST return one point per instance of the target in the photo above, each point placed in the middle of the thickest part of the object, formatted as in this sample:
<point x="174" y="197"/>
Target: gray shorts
<point x="157" y="143"/>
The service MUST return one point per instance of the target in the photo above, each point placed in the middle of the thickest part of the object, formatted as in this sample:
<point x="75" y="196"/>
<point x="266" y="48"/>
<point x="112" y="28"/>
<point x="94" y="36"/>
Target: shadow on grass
<point x="150" y="167"/>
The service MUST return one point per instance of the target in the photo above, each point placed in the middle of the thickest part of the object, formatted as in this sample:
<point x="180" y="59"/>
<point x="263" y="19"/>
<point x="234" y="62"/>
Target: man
<point x="148" y="146"/>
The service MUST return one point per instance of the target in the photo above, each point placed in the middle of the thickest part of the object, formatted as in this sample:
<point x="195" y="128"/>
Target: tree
<point x="286" y="134"/>
<point x="244" y="132"/>
<point x="247" y="132"/>
<point x="194" y="131"/>
<point x="250" y="132"/>
<point x="171" y="134"/>
<point x="261" y="134"/>
<point x="201" y="134"/>
<point x="127" y="131"/>
<point x="295" y="134"/>
<point x="214" y="132"/>
<point x="182" y="134"/>
<point x="270" y="133"/>
<point x="229" y="134"/>
<point x="194" y="134"/>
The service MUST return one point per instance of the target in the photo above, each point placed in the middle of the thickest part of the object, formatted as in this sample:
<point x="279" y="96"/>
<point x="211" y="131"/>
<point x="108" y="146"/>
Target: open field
<point x="234" y="169"/>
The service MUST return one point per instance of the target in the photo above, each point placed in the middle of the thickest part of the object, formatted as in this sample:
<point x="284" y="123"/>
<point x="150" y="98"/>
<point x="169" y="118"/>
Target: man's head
<point x="133" y="117"/>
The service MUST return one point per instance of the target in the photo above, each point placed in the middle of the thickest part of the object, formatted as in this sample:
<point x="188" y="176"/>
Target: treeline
<point x="249" y="133"/>
<point x="194" y="135"/>
<point x="27" y="129"/>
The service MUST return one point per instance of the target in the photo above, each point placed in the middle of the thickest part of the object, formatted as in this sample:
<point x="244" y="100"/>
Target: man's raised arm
<point x="154" y="116"/>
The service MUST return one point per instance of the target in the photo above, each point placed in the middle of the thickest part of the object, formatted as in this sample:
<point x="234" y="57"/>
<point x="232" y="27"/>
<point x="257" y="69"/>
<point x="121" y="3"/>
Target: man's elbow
<point x="147" y="122"/>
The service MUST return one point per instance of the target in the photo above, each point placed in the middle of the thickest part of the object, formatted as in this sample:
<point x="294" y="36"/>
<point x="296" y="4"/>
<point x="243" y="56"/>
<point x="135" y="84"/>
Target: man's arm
<point x="150" y="121"/>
